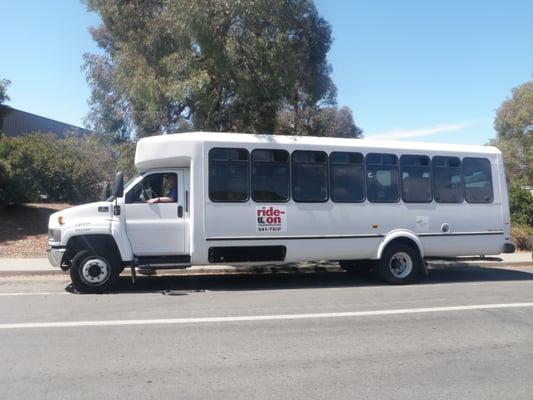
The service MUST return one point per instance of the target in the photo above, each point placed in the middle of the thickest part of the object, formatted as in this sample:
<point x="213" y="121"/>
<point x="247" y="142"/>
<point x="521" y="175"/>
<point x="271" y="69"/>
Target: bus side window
<point x="382" y="178"/>
<point x="309" y="176"/>
<point x="229" y="175"/>
<point x="478" y="180"/>
<point x="347" y="177"/>
<point x="416" y="179"/>
<point x="270" y="175"/>
<point x="447" y="179"/>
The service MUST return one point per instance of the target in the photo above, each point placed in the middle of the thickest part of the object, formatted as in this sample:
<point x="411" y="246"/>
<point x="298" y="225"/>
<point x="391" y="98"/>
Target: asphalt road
<point x="281" y="336"/>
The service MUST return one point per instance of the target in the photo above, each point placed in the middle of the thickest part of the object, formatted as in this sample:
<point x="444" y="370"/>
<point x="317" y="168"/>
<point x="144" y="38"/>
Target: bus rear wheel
<point x="400" y="264"/>
<point x="94" y="272"/>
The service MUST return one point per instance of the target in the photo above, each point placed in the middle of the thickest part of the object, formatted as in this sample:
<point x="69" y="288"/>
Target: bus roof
<point x="158" y="151"/>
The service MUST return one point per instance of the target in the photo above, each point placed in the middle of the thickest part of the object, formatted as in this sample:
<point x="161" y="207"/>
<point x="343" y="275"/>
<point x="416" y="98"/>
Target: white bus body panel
<point x="330" y="230"/>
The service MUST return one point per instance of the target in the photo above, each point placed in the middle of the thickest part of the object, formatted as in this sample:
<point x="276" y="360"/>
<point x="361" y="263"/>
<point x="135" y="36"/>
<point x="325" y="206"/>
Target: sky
<point x="411" y="70"/>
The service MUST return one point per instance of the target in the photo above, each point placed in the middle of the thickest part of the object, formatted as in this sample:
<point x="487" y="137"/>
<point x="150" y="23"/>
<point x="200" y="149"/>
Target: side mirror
<point x="118" y="185"/>
<point x="106" y="192"/>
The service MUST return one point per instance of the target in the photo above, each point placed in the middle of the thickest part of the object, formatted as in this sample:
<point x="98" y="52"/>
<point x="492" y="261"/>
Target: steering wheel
<point x="147" y="194"/>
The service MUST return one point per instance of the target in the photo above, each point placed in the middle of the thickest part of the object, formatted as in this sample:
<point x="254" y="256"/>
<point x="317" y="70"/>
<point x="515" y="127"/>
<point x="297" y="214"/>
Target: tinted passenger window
<point x="447" y="181"/>
<point x="382" y="178"/>
<point x="270" y="175"/>
<point x="309" y="176"/>
<point x="229" y="174"/>
<point x="478" y="180"/>
<point x="416" y="179"/>
<point x="347" y="177"/>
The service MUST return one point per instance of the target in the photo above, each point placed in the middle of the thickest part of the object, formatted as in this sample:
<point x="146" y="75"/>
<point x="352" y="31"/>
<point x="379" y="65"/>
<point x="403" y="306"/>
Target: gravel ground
<point x="23" y="229"/>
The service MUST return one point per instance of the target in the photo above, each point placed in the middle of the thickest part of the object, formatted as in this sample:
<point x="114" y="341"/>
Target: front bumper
<point x="55" y="255"/>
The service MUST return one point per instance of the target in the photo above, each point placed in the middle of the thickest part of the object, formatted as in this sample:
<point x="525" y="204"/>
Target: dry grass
<point x="521" y="234"/>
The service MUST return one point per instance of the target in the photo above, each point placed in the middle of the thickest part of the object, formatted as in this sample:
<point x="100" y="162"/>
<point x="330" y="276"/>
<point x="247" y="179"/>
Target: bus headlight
<point x="54" y="235"/>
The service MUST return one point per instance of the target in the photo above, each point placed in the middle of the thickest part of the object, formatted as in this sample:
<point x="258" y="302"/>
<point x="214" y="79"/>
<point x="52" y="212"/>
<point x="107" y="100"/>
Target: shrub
<point x="7" y="190"/>
<point x="521" y="205"/>
<point x="69" y="170"/>
<point x="15" y="185"/>
<point x="520" y="235"/>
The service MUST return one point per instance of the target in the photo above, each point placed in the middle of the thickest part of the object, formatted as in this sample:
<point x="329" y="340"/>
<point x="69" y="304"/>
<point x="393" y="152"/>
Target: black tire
<point x="357" y="266"/>
<point x="400" y="264"/>
<point x="94" y="272"/>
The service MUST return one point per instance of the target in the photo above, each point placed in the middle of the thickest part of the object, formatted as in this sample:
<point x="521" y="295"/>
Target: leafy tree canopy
<point x="514" y="126"/>
<point x="515" y="115"/>
<point x="4" y="83"/>
<point x="220" y="65"/>
<point x="327" y="121"/>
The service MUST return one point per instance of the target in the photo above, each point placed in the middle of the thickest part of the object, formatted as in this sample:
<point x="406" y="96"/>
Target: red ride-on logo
<point x="271" y="218"/>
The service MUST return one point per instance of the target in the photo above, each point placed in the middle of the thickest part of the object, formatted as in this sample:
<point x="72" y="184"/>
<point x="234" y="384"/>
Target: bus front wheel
<point x="400" y="264"/>
<point x="94" y="272"/>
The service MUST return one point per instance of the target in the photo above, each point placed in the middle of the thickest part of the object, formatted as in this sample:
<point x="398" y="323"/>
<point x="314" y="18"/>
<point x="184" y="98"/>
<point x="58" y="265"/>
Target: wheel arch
<point x="401" y="237"/>
<point x="93" y="242"/>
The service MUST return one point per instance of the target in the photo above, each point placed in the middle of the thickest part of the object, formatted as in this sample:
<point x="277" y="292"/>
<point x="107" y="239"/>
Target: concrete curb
<point x="483" y="264"/>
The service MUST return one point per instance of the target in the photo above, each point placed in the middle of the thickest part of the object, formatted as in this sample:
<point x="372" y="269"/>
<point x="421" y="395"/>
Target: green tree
<point x="207" y="64"/>
<point x="514" y="126"/>
<point x="109" y="114"/>
<point x="5" y="169"/>
<point x="4" y="83"/>
<point x="124" y="158"/>
<point x="329" y="121"/>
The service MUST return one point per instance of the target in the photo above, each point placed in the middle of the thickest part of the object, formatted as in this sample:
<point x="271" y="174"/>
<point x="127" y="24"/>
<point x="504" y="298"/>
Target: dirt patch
<point x="24" y="229"/>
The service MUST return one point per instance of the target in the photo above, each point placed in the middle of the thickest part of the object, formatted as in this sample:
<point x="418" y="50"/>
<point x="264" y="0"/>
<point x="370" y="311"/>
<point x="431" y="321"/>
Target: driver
<point x="172" y="194"/>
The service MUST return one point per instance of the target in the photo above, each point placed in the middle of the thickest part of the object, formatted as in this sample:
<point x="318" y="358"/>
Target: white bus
<point x="248" y="199"/>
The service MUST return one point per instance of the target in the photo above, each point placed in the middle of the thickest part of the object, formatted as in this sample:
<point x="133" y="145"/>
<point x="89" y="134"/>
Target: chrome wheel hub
<point x="400" y="265"/>
<point x="95" y="271"/>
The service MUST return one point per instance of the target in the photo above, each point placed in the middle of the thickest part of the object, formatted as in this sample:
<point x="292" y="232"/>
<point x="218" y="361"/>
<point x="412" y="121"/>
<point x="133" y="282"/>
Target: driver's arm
<point x="164" y="199"/>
